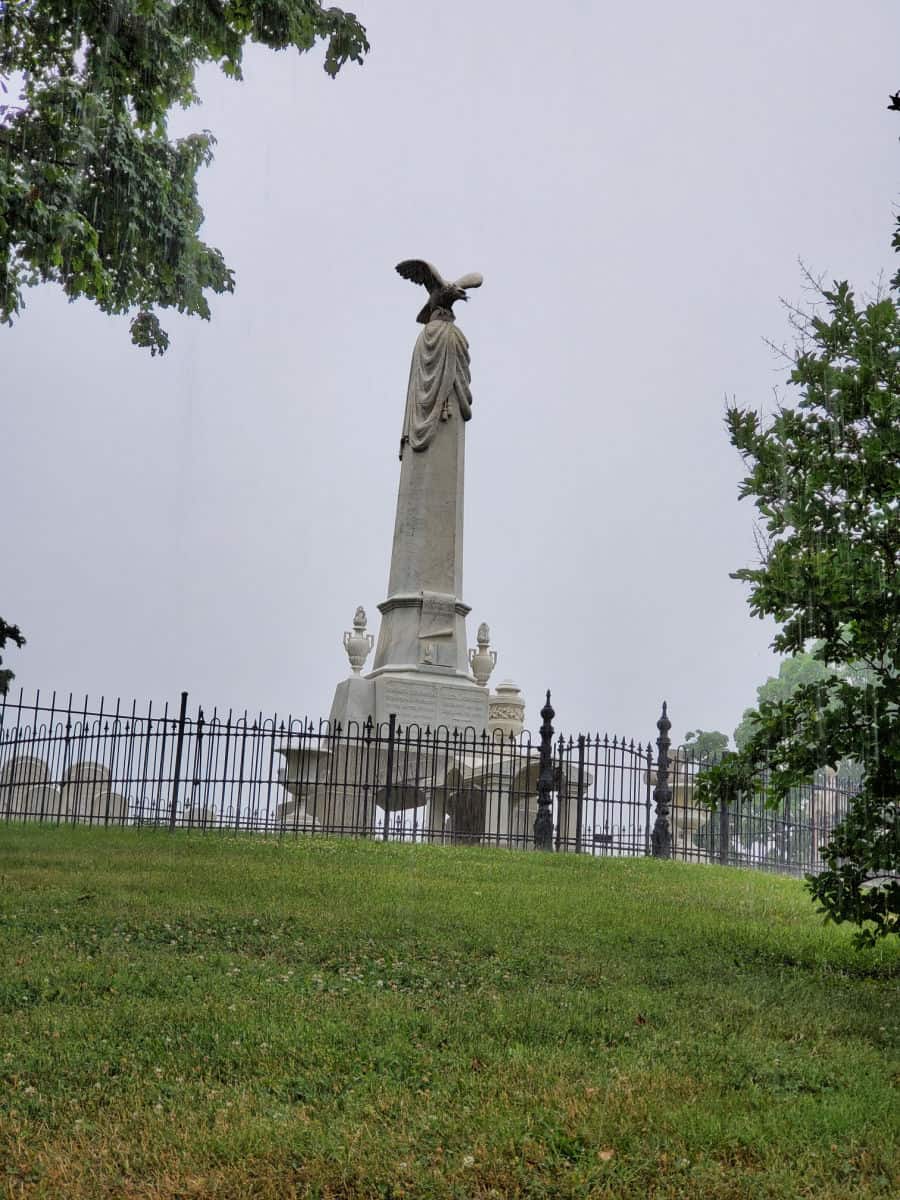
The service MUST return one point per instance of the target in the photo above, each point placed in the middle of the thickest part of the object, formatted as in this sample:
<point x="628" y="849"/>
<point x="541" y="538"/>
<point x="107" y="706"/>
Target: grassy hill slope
<point x="206" y="1016"/>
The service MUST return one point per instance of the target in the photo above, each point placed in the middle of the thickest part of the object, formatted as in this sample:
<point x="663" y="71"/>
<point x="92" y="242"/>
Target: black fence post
<point x="196" y="809"/>
<point x="368" y="817"/>
<point x="579" y="816"/>
<point x="724" y="832"/>
<point x="11" y="787"/>
<point x="543" y="822"/>
<point x="179" y="748"/>
<point x="562" y="791"/>
<point x="392" y="729"/>
<point x="662" y="795"/>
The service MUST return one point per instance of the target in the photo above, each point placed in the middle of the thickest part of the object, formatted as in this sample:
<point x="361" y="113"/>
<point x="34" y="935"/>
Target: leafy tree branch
<point x="94" y="195"/>
<point x="8" y="633"/>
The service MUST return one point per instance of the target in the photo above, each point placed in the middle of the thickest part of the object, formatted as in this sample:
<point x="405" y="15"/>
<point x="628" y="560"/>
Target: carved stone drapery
<point x="439" y="381"/>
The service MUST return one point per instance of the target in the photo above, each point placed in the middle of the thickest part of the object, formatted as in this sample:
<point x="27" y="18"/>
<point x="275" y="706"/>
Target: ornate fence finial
<point x="358" y="644"/>
<point x="543" y="822"/>
<point x="662" y="795"/>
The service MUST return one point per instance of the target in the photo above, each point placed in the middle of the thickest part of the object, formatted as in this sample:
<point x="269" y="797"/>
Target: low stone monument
<point x="23" y="782"/>
<point x="88" y="796"/>
<point x="28" y="793"/>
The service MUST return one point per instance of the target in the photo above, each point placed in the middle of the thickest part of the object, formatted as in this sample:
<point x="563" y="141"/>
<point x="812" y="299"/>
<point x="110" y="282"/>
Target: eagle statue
<point x="441" y="294"/>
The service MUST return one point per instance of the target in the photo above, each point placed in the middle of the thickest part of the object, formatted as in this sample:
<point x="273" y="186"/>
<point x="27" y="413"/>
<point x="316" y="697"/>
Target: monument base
<point x="427" y="699"/>
<point x="431" y="700"/>
<point x="354" y="701"/>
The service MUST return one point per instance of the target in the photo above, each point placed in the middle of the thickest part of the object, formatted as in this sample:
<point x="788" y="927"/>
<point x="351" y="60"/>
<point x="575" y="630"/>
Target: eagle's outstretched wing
<point x="473" y="279"/>
<point x="419" y="271"/>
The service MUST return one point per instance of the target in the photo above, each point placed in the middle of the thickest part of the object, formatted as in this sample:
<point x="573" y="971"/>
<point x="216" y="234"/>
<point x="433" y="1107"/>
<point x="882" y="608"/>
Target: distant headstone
<point x="82" y="788"/>
<point x="44" y="803"/>
<point x="18" y="779"/>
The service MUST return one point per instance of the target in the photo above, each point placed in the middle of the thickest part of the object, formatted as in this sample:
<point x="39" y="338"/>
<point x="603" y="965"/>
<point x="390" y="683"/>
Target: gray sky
<point x="636" y="182"/>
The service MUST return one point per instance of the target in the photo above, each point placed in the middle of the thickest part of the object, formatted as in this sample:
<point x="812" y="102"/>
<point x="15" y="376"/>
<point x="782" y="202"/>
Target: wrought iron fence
<point x="114" y="765"/>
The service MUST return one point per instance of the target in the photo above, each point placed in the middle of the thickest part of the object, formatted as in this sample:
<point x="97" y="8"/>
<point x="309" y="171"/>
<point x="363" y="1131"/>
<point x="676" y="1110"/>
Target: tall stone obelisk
<point x="421" y="666"/>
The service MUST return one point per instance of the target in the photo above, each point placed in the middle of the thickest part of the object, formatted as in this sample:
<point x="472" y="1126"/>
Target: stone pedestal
<point x="423" y="630"/>
<point x="507" y="710"/>
<point x="354" y="702"/>
<point x="430" y="699"/>
<point x="427" y="699"/>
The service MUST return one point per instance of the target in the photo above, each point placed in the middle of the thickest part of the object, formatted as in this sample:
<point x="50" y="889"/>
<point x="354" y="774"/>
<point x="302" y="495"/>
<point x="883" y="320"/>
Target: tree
<point x="8" y="633"/>
<point x="93" y="193"/>
<point x="704" y="743"/>
<point x="825" y="478"/>
<point x="793" y="673"/>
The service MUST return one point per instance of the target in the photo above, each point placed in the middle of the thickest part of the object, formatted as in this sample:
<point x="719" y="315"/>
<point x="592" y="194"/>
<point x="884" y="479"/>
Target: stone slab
<point x="418" y="699"/>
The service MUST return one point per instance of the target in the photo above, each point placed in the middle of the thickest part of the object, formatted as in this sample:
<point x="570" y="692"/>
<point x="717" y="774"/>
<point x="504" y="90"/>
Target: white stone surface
<point x="483" y="659"/>
<point x="425" y="698"/>
<point x="43" y="803"/>
<point x="97" y="806"/>
<point x="354" y="701"/>
<point x="357" y="642"/>
<point x="507" y="709"/>
<point x="84" y="784"/>
<point x="18" y="779"/>
<point x="417" y="697"/>
<point x="421" y="670"/>
<point x="423" y="619"/>
<point x="293" y="815"/>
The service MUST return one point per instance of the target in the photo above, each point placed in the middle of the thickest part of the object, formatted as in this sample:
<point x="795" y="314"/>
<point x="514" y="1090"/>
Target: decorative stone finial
<point x="358" y="644"/>
<point x="484" y="659"/>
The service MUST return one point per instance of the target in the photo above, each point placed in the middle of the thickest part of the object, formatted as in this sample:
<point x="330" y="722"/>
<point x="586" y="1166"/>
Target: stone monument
<point x="421" y="670"/>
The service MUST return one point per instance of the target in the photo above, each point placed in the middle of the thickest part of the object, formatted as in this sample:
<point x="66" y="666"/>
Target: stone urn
<point x="358" y="643"/>
<point x="506" y="709"/>
<point x="484" y="659"/>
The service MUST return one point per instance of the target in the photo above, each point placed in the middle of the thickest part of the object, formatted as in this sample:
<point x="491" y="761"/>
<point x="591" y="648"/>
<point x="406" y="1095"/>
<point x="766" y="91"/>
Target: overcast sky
<point x="636" y="182"/>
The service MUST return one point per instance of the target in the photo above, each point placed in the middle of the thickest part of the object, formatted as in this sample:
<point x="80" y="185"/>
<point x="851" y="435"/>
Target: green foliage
<point x="8" y="633"/>
<point x="705" y="743"/>
<point x="204" y="1016"/>
<point x="93" y="193"/>
<point x="825" y="478"/>
<point x="793" y="672"/>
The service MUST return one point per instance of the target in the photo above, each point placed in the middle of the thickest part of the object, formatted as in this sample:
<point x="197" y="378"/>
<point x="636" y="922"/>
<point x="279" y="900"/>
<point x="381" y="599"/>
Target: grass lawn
<point x="192" y="1016"/>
